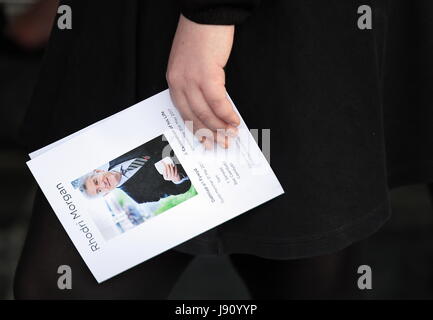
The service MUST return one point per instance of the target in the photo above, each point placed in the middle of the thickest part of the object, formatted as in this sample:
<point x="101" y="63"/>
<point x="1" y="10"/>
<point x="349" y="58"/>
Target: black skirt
<point x="350" y="110"/>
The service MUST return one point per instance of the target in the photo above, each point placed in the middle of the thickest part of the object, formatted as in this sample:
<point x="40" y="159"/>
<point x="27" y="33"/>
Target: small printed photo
<point x="135" y="187"/>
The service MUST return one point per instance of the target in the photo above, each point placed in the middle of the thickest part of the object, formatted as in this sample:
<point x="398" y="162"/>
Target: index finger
<point x="216" y="97"/>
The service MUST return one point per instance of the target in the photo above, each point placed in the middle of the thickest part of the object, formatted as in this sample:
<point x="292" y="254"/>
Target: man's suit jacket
<point x="147" y="184"/>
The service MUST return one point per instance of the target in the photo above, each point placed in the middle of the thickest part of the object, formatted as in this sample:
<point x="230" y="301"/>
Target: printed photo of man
<point x="135" y="173"/>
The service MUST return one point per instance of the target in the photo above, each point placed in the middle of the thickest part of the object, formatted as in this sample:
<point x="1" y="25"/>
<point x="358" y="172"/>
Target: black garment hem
<point x="327" y="243"/>
<point x="316" y="245"/>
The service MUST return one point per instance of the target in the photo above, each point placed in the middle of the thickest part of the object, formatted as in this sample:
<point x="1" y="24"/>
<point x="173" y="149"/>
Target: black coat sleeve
<point x="222" y="12"/>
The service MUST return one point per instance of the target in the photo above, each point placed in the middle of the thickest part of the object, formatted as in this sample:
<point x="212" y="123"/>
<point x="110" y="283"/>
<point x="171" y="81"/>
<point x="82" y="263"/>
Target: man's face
<point x="102" y="182"/>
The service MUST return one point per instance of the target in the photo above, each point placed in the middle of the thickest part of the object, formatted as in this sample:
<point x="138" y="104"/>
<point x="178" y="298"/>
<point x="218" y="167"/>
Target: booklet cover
<point x="138" y="183"/>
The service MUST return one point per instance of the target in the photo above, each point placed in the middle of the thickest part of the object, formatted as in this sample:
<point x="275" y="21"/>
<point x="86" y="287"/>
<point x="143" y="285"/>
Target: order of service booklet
<point x="138" y="183"/>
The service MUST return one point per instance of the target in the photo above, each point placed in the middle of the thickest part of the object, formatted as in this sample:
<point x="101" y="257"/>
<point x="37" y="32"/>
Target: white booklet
<point x="138" y="183"/>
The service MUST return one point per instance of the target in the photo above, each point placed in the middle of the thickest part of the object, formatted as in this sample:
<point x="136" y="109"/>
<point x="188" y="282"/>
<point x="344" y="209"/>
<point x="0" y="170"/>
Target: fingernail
<point x="232" y="132"/>
<point x="236" y="122"/>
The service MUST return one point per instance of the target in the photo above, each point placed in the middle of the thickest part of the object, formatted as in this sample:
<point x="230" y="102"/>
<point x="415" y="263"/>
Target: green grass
<point x="164" y="204"/>
<point x="172" y="201"/>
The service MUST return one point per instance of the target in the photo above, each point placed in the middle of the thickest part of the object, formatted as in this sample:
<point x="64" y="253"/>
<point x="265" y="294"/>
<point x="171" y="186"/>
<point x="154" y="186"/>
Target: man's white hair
<point x="80" y="184"/>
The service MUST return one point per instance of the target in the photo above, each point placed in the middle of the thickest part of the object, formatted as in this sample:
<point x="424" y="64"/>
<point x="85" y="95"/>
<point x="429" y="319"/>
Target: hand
<point x="196" y="79"/>
<point x="170" y="173"/>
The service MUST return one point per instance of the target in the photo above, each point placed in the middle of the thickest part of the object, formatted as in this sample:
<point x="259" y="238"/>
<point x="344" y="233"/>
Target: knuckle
<point x="203" y="115"/>
<point x="186" y="117"/>
<point x="216" y="102"/>
<point x="224" y="113"/>
<point x="173" y="77"/>
<point x="214" y="93"/>
<point x="215" y="76"/>
<point x="191" y="78"/>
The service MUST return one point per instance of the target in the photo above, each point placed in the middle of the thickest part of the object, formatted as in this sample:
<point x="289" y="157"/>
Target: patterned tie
<point x="137" y="163"/>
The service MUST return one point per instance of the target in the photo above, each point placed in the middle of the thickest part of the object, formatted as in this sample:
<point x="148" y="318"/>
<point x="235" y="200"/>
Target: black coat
<point x="147" y="185"/>
<point x="349" y="110"/>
